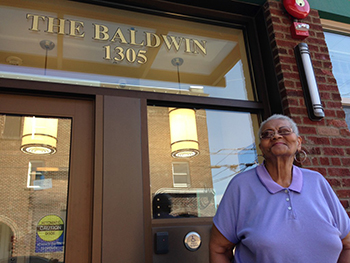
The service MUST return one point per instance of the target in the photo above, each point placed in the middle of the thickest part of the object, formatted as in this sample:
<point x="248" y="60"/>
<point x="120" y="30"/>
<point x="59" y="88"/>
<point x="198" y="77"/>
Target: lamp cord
<point x="178" y="78"/>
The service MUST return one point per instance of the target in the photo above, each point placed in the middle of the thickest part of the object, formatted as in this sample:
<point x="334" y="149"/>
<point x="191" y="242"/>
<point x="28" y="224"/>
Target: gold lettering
<point x="187" y="45"/>
<point x="120" y="53"/>
<point x="35" y="21"/>
<point x="51" y="25"/>
<point x="119" y="34"/>
<point x="149" y="40"/>
<point x="75" y="27"/>
<point x="173" y="41"/>
<point x="200" y="46"/>
<point x="133" y="38"/>
<point x="107" y="52"/>
<point x="101" y="32"/>
<point x="142" y="59"/>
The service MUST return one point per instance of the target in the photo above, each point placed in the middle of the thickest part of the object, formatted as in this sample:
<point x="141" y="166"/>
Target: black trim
<point x="271" y="93"/>
<point x="183" y="8"/>
<point x="26" y="87"/>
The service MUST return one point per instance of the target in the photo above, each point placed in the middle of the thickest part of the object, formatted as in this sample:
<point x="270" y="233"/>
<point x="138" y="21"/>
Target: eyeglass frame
<point x="276" y="131"/>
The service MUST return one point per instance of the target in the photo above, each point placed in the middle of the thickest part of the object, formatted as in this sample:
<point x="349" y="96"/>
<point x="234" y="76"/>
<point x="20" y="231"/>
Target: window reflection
<point x="34" y="187"/>
<point x="338" y="46"/>
<point x="193" y="186"/>
<point x="119" y="49"/>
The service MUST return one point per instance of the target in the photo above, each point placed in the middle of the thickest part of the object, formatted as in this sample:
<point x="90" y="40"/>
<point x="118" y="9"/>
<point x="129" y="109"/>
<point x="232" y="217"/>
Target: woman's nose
<point x="276" y="135"/>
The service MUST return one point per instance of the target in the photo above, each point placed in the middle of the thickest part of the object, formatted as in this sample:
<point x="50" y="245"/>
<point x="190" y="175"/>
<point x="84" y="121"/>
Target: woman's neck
<point x="280" y="171"/>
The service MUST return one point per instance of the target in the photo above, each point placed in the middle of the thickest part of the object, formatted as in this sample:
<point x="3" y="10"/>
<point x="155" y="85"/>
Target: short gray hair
<point x="293" y="125"/>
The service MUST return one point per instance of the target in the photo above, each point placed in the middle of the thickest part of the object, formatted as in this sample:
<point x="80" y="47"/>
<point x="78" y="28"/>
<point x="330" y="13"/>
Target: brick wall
<point x="326" y="142"/>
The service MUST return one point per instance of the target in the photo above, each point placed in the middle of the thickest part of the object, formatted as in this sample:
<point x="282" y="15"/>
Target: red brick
<point x="324" y="161"/>
<point x="333" y="151"/>
<point x="346" y="182"/>
<point x="337" y="123"/>
<point x="307" y="130"/>
<point x="345" y="203"/>
<point x="334" y="182"/>
<point x="314" y="161"/>
<point x="340" y="114"/>
<point x="330" y="131"/>
<point x="327" y="64"/>
<point x="328" y="87"/>
<point x="344" y="132"/>
<point x="334" y="104"/>
<point x="321" y="170"/>
<point x="343" y="193"/>
<point x="341" y="141"/>
<point x="319" y="140"/>
<point x="325" y="95"/>
<point x="313" y="123"/>
<point x="336" y="161"/>
<point x="338" y="172"/>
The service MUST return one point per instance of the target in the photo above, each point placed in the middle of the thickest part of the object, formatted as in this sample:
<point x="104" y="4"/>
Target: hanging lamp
<point x="183" y="133"/>
<point x="39" y="135"/>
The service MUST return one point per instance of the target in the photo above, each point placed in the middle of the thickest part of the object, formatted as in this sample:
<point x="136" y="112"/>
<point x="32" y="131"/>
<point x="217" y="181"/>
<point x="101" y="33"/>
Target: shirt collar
<point x="273" y="187"/>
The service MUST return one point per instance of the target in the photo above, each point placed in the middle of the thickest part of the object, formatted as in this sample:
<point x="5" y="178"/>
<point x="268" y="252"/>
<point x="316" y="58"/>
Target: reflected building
<point x="32" y="187"/>
<point x="187" y="182"/>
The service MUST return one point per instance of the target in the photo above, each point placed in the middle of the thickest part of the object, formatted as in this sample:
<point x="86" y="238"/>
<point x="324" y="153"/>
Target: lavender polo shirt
<point x="303" y="223"/>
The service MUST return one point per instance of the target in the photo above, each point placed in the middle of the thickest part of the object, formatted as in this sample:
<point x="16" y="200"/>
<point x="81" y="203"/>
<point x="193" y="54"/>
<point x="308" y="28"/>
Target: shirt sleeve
<point x="340" y="216"/>
<point x="225" y="218"/>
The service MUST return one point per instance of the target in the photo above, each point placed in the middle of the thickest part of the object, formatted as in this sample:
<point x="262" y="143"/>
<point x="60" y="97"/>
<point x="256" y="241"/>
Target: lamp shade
<point x="183" y="133"/>
<point x="39" y="135"/>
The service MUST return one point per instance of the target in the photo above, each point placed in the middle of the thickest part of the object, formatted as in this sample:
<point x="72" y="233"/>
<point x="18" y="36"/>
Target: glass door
<point x="37" y="174"/>
<point x="34" y="161"/>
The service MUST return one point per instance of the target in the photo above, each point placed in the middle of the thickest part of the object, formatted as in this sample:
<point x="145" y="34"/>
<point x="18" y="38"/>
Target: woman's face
<point x="279" y="145"/>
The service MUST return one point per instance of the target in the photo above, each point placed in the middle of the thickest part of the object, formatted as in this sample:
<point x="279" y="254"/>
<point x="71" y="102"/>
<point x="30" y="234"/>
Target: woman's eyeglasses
<point x="269" y="133"/>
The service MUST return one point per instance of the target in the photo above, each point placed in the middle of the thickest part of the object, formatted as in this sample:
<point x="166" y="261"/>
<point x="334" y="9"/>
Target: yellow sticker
<point x="50" y="228"/>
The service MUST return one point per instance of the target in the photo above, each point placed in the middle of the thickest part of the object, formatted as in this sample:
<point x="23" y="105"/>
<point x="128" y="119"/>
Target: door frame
<point x="78" y="242"/>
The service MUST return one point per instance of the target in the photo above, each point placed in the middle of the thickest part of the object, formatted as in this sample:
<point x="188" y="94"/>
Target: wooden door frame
<point x="78" y="243"/>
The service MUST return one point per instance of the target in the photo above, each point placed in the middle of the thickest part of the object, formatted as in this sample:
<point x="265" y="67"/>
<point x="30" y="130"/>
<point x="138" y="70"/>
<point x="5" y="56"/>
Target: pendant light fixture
<point x="39" y="135"/>
<point x="183" y="127"/>
<point x="183" y="133"/>
<point x="47" y="45"/>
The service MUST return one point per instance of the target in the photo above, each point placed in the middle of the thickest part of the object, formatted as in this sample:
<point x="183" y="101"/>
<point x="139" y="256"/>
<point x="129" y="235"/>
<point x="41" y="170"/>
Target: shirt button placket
<point x="288" y="199"/>
<point x="290" y="207"/>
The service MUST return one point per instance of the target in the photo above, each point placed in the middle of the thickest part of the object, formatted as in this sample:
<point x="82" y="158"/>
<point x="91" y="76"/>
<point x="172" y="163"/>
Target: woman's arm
<point x="220" y="249"/>
<point x="345" y="254"/>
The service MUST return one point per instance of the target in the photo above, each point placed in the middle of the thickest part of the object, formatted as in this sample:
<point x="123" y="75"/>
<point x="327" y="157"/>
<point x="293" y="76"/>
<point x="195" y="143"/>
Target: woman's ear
<point x="299" y="143"/>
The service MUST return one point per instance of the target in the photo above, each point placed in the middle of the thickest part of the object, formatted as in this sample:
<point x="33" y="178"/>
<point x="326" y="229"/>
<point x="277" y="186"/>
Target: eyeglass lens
<point x="269" y="133"/>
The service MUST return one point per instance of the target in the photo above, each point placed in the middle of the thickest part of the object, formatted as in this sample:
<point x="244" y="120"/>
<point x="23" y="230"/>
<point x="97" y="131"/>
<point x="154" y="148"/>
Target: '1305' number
<point x="129" y="54"/>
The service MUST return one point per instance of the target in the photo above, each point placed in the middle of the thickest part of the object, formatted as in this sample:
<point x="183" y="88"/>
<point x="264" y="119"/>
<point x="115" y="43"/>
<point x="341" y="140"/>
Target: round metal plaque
<point x="192" y="241"/>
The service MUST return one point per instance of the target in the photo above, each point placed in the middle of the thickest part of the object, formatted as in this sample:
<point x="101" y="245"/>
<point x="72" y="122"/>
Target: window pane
<point x="347" y="115"/>
<point x="338" y="46"/>
<point x="34" y="165"/>
<point x="119" y="49"/>
<point x="226" y="145"/>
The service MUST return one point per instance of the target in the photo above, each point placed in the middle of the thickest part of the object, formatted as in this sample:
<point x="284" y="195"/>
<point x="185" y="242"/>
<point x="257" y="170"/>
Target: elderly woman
<point x="278" y="212"/>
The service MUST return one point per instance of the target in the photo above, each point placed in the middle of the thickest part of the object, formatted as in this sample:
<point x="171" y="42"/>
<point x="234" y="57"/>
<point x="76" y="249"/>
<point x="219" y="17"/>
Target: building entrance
<point x="45" y="179"/>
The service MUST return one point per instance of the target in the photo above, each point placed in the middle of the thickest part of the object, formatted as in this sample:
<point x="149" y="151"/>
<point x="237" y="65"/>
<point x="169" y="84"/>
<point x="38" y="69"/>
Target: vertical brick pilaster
<point x="326" y="142"/>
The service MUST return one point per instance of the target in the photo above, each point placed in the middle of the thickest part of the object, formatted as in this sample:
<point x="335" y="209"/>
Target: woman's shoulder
<point x="310" y="172"/>
<point x="313" y="175"/>
<point x="244" y="177"/>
